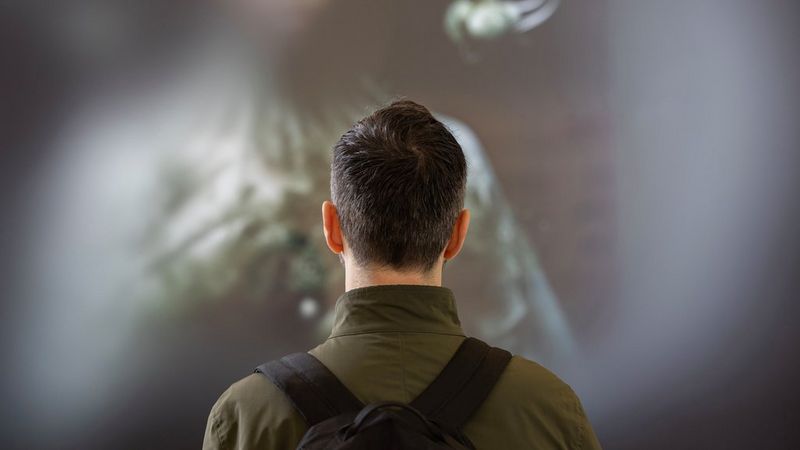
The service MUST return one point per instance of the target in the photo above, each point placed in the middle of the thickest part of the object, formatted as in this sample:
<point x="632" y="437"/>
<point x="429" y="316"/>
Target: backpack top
<point x="338" y="420"/>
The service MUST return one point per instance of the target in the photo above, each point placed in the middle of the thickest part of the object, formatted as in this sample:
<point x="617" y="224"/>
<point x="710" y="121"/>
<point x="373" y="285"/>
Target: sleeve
<point x="253" y="413"/>
<point x="215" y="437"/>
<point x="587" y="438"/>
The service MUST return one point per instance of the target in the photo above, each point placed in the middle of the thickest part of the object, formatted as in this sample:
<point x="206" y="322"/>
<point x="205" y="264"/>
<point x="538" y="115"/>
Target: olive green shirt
<point x="388" y="343"/>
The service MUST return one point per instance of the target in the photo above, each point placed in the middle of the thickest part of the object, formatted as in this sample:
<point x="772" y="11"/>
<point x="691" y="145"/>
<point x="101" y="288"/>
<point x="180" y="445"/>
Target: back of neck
<point x="356" y="278"/>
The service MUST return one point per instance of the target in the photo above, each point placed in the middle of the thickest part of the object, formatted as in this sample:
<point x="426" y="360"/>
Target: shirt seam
<point x="215" y="428"/>
<point x="581" y="428"/>
<point x="403" y="369"/>
<point x="397" y="287"/>
<point x="355" y="333"/>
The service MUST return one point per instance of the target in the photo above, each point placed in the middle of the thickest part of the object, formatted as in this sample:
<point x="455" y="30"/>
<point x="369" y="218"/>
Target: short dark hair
<point x="398" y="179"/>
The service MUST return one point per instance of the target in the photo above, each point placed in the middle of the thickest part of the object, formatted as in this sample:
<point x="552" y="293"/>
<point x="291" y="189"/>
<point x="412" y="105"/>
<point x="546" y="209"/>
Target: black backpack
<point x="339" y="421"/>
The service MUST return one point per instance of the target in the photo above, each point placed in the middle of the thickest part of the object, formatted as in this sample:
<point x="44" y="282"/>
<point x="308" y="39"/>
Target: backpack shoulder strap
<point x="463" y="384"/>
<point x="311" y="387"/>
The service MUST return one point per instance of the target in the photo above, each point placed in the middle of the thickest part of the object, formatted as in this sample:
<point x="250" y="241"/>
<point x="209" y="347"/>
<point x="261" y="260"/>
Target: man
<point x="398" y="179"/>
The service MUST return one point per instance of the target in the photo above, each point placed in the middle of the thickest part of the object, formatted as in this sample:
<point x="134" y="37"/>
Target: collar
<point x="411" y="308"/>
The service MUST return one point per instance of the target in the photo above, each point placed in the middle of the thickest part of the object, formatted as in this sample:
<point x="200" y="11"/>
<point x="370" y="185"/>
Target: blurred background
<point x="633" y="173"/>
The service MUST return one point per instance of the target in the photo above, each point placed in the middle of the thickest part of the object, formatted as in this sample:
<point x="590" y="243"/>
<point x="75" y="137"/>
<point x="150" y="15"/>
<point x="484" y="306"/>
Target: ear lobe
<point x="458" y="236"/>
<point x="330" y="227"/>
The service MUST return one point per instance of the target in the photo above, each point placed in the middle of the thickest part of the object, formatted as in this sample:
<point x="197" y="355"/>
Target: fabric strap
<point x="464" y="383"/>
<point x="450" y="400"/>
<point x="311" y="387"/>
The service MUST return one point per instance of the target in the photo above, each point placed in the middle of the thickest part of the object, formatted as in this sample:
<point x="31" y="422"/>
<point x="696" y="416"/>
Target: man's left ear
<point x="458" y="235"/>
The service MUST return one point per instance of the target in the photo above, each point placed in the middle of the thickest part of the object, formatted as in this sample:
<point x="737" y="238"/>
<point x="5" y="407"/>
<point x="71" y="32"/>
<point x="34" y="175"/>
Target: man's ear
<point x="458" y="236"/>
<point x="330" y="226"/>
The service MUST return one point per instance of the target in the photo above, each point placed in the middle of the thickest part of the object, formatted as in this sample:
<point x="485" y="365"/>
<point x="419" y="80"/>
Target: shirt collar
<point x="410" y="308"/>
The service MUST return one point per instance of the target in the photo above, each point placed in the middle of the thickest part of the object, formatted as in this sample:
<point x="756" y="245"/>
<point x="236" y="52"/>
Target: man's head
<point x="398" y="179"/>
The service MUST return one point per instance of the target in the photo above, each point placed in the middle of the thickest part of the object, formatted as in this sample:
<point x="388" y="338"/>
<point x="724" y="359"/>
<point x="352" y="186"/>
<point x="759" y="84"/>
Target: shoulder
<point x="528" y="385"/>
<point x="254" y="383"/>
<point x="253" y="413"/>
<point x="535" y="406"/>
<point x="522" y="372"/>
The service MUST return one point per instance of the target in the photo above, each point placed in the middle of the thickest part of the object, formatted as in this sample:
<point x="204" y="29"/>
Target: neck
<point x="358" y="277"/>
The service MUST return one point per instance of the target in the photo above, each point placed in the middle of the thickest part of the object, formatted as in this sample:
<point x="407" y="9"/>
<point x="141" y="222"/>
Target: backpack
<point x="337" y="420"/>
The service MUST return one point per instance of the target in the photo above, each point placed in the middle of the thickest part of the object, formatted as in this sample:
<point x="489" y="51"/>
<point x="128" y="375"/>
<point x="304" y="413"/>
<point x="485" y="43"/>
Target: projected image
<point x="181" y="214"/>
<point x="630" y="182"/>
<point x="221" y="204"/>
<point x="240" y="221"/>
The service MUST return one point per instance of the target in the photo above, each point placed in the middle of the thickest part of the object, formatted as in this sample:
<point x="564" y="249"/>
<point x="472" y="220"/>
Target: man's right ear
<point x="330" y="226"/>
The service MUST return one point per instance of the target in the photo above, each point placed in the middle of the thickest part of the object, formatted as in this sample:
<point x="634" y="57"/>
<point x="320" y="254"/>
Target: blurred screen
<point x="630" y="184"/>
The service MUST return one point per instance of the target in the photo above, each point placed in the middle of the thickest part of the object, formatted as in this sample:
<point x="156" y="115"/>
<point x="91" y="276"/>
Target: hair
<point x="398" y="179"/>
